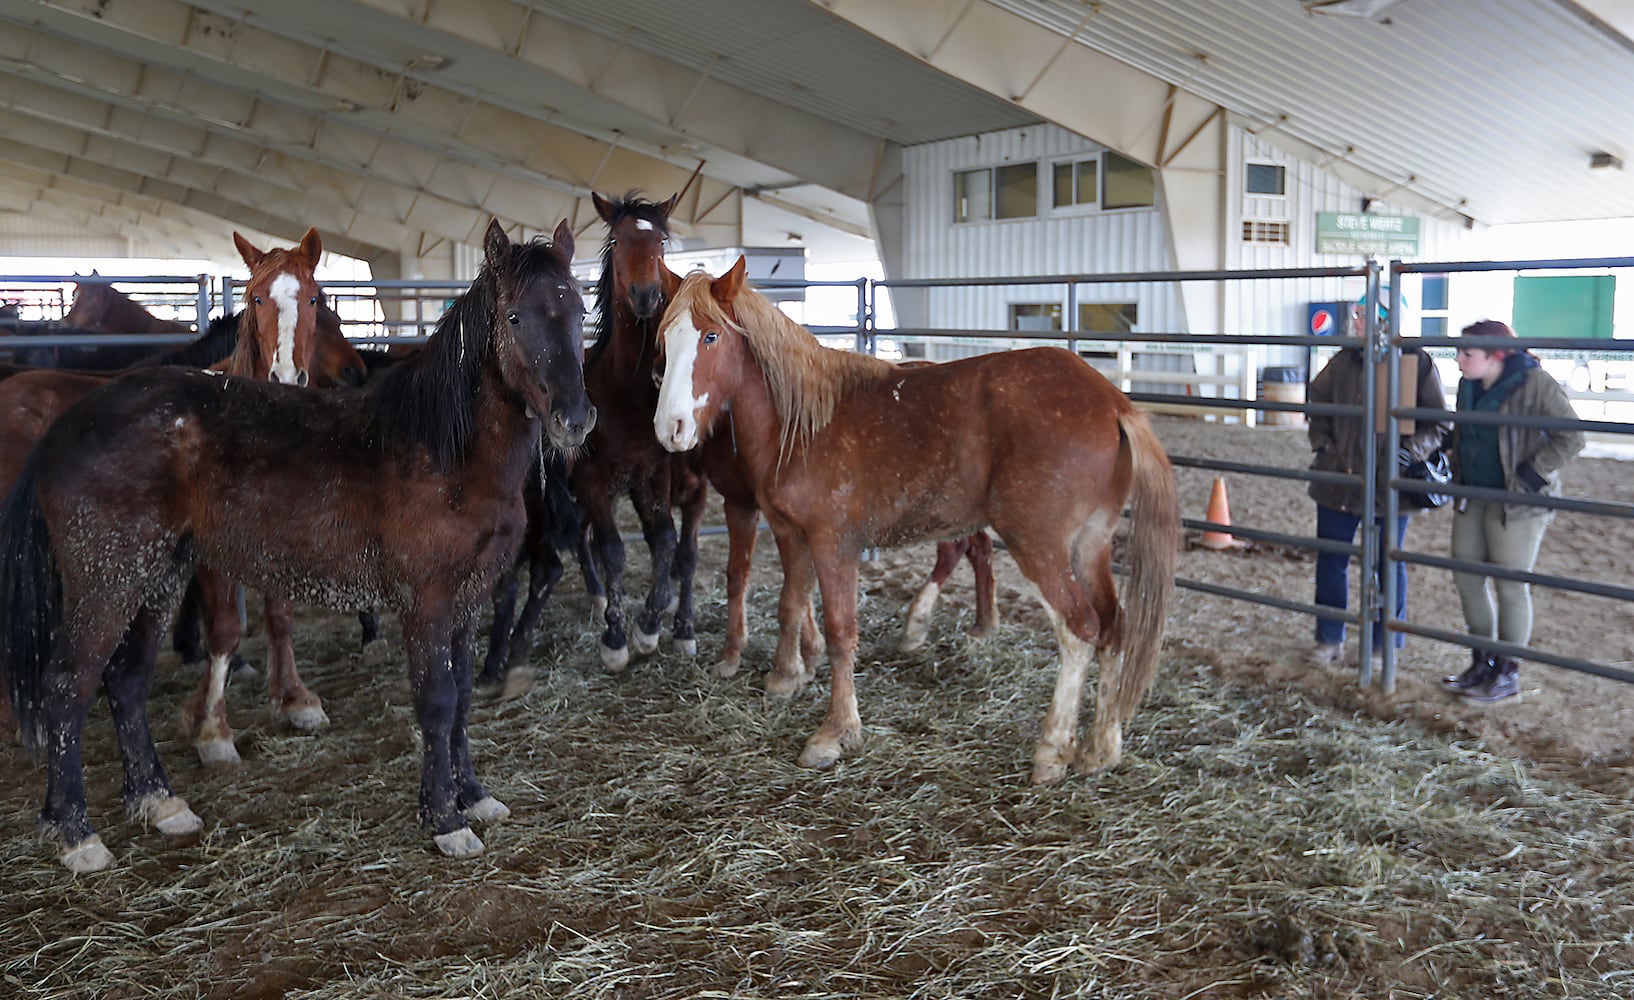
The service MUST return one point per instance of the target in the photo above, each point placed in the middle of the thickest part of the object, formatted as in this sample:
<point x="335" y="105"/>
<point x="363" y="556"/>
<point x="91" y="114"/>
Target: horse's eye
<point x="258" y="300"/>
<point x="712" y="336"/>
<point x="314" y="301"/>
<point x="513" y="317"/>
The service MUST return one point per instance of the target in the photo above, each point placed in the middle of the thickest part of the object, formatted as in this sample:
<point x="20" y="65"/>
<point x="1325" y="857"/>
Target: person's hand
<point x="1529" y="476"/>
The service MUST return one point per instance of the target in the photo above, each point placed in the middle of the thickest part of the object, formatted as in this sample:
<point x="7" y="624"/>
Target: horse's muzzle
<point x="569" y="431"/>
<point x="645" y="300"/>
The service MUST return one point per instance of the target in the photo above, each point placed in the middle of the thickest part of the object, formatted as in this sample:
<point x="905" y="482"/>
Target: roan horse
<point x="849" y="452"/>
<point x="404" y="493"/>
<point x="621" y="454"/>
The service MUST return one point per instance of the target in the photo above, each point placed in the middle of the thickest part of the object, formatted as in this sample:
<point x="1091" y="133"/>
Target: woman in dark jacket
<point x="1502" y="457"/>
<point x="1339" y="443"/>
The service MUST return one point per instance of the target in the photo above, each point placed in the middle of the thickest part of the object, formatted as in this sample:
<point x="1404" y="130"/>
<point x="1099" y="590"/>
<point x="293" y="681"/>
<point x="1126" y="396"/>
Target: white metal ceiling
<point x="398" y="124"/>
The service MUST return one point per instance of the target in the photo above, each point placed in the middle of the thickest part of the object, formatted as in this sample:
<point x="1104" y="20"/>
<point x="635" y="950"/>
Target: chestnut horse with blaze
<point x="848" y="452"/>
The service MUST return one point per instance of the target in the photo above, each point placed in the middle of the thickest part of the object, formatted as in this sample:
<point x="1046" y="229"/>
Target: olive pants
<point x="1481" y="533"/>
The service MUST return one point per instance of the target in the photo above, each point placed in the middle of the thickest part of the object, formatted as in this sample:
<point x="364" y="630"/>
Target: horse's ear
<point x="247" y="250"/>
<point x="669" y="206"/>
<point x="604" y="208"/>
<point x="562" y="240"/>
<point x="670" y="281"/>
<point x="312" y="245"/>
<point x="495" y="244"/>
<point x="726" y="287"/>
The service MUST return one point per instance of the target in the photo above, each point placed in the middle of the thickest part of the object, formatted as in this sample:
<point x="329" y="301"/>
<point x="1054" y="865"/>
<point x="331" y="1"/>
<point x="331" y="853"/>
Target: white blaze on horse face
<point x="643" y="225"/>
<point x="676" y="420"/>
<point x="284" y="290"/>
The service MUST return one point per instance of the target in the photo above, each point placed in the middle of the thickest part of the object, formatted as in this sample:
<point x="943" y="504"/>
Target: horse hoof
<point x="217" y="753"/>
<point x="782" y="686"/>
<point x="461" y="843"/>
<point x="169" y="814"/>
<point x="819" y="755"/>
<point x="1048" y="772"/>
<point x="615" y="660"/>
<point x="487" y="810"/>
<point x="911" y="643"/>
<point x="518" y="682"/>
<point x="644" y="643"/>
<point x="87" y="856"/>
<point x="487" y="690"/>
<point x="687" y="647"/>
<point x="306" y="718"/>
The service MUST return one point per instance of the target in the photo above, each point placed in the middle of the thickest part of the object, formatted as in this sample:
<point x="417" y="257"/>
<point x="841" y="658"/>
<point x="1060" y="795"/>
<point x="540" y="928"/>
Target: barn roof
<point x="396" y="125"/>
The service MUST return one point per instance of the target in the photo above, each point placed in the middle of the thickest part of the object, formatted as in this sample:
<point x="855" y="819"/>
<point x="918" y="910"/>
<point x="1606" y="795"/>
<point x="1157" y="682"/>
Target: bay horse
<point x="848" y="452"/>
<point x="98" y="307"/>
<point x="621" y="455"/>
<point x="404" y="493"/>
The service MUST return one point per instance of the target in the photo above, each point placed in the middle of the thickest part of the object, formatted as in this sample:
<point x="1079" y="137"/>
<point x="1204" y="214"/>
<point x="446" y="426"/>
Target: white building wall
<point x="1053" y="243"/>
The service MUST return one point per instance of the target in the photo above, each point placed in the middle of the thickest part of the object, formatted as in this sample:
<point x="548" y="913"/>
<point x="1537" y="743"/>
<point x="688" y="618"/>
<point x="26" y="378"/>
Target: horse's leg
<point x="742" y="530"/>
<point x="499" y="635"/>
<point x="292" y="701"/>
<point x="792" y="664"/>
<point x="147" y="794"/>
<point x="204" y="715"/>
<point x="651" y="501"/>
<point x="1079" y="610"/>
<point x="608" y="549"/>
<point x="437" y="705"/>
<point x="684" y="626"/>
<point x="369" y="624"/>
<point x="184" y="635"/>
<point x="980" y="554"/>
<point x="593" y="587"/>
<point x="473" y="799"/>
<point x="917" y="627"/>
<point x="544" y="573"/>
<point x="841" y="729"/>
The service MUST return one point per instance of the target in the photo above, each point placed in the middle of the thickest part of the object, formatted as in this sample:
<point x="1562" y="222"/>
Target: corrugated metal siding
<point x="1089" y="243"/>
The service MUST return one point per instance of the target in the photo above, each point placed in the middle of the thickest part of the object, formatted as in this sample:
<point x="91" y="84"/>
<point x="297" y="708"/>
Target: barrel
<point x="1282" y="384"/>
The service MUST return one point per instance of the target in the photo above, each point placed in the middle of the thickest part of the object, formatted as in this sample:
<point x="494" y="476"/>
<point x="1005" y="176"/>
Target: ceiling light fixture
<point x="1603" y="160"/>
<point x="1369" y="9"/>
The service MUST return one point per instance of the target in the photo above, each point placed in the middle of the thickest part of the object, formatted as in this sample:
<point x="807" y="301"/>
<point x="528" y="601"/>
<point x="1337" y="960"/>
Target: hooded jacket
<point x="1339" y="441"/>
<point x="1530" y="457"/>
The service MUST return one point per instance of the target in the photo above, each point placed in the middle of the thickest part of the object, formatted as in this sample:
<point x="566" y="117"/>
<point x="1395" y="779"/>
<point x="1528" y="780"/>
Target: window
<point x="1432" y="321"/>
<point x="1265" y="231"/>
<point x="1107" y="317"/>
<point x="1007" y="192"/>
<point x="1035" y="316"/>
<point x="1127" y="184"/>
<point x="1077" y="183"/>
<point x="1266" y="178"/>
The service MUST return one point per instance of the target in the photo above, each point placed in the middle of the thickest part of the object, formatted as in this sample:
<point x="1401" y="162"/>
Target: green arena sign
<point x="1367" y="234"/>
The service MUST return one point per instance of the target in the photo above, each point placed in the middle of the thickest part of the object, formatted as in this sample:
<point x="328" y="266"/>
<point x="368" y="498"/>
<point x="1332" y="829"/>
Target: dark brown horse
<point x="849" y="452"/>
<point x="621" y="455"/>
<point x="405" y="493"/>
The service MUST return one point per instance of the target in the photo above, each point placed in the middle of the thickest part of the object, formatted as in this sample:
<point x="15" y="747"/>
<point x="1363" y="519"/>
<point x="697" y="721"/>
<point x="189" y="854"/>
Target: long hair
<point x="429" y="401"/>
<point x="806" y="379"/>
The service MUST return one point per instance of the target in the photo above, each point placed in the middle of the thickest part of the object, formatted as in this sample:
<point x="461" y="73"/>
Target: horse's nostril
<point x="300" y="377"/>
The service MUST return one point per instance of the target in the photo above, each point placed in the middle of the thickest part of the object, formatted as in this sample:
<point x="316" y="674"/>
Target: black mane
<point x="429" y="401"/>
<point x="218" y="341"/>
<point x="630" y="206"/>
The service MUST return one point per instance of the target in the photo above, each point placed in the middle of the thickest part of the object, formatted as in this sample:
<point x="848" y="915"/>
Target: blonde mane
<point x="806" y="379"/>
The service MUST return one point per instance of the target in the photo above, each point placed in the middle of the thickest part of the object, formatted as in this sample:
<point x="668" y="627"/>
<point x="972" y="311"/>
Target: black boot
<point x="1504" y="682"/>
<point x="1482" y="666"/>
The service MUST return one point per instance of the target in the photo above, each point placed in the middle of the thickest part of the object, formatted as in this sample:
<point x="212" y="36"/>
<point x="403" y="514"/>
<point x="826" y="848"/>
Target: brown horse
<point x="98" y="305"/>
<point x="621" y="455"/>
<point x="404" y="493"/>
<point x="849" y="452"/>
<point x="276" y="337"/>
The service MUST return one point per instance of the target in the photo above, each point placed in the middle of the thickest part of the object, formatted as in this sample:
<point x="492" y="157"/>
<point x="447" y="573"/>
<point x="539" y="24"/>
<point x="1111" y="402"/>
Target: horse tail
<point x="1154" y="539"/>
<point x="30" y="605"/>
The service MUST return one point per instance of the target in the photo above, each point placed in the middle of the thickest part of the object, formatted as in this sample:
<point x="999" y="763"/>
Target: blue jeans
<point x="1333" y="572"/>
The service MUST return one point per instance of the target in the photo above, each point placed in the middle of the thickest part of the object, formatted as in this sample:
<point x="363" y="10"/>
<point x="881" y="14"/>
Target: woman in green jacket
<point x="1518" y="459"/>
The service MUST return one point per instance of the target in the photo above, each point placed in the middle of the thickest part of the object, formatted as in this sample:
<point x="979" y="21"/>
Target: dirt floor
<point x="1274" y="831"/>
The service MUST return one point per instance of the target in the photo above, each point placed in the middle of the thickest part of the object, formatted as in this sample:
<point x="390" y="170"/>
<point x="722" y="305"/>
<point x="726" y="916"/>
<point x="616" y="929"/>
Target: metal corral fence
<point x="1211" y="376"/>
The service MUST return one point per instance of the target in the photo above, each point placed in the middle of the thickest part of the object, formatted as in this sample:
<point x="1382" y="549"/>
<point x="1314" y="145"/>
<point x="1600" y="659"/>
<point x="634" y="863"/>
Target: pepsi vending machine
<point x="1327" y="319"/>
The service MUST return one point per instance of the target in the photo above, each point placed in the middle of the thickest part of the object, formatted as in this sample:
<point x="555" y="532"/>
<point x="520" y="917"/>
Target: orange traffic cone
<point x="1219" y="513"/>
